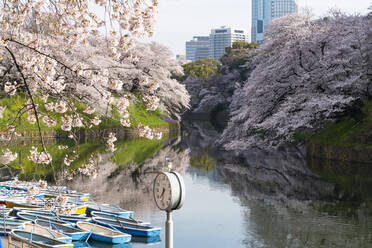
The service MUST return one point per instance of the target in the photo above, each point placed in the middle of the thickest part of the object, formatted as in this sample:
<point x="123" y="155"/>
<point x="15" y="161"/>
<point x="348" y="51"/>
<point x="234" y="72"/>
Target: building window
<point x="259" y="26"/>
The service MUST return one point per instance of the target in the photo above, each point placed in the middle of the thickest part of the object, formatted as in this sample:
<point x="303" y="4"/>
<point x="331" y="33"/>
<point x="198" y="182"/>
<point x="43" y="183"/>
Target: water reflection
<point x="291" y="202"/>
<point x="130" y="186"/>
<point x="251" y="199"/>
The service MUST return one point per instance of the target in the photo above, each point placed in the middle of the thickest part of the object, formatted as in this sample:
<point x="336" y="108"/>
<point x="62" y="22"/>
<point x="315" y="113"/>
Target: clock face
<point x="162" y="191"/>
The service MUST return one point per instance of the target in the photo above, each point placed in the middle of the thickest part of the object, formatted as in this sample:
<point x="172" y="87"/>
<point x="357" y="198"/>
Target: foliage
<point x="242" y="45"/>
<point x="63" y="64"/>
<point x="201" y="69"/>
<point x="240" y="54"/>
<point x="137" y="110"/>
<point x="306" y="73"/>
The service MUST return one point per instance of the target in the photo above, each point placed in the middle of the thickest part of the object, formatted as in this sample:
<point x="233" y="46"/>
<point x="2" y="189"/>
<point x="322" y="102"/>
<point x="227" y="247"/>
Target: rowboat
<point x="104" y="234"/>
<point x="22" y="204"/>
<point x="107" y="208"/>
<point x="133" y="229"/>
<point x="6" y="228"/>
<point x="127" y="220"/>
<point x="80" y="209"/>
<point x="23" y="186"/>
<point x="34" y="228"/>
<point x="75" y="233"/>
<point x="12" y="220"/>
<point x="32" y="217"/>
<point x="19" y="209"/>
<point x="44" y="211"/>
<point x="40" y="240"/>
<point x="68" y="218"/>
<point x="148" y="240"/>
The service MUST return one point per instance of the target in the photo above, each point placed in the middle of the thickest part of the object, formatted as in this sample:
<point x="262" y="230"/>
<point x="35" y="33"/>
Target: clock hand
<point x="162" y="193"/>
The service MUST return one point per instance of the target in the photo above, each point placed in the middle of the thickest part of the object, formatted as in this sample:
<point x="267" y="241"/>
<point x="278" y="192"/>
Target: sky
<point x="180" y="20"/>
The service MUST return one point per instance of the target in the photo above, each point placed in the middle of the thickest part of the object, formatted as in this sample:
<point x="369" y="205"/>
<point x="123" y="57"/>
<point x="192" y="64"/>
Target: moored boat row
<point x="56" y="217"/>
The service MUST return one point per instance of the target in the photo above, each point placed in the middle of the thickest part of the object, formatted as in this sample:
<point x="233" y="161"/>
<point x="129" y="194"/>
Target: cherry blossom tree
<point x="307" y="72"/>
<point x="75" y="61"/>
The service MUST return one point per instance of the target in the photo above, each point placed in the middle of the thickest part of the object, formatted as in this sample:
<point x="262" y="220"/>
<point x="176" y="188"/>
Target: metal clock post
<point x="169" y="195"/>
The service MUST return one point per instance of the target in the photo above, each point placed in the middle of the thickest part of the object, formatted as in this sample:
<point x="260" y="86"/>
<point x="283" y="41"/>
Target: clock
<point x="169" y="191"/>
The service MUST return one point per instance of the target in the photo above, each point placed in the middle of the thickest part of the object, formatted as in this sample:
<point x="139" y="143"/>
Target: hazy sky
<point x="179" y="20"/>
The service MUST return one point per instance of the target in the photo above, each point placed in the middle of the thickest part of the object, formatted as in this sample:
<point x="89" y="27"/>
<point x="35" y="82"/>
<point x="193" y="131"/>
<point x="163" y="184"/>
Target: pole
<point x="169" y="231"/>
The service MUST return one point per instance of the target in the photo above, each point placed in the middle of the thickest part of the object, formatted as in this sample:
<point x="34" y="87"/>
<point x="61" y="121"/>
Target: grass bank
<point x="138" y="114"/>
<point x="348" y="139"/>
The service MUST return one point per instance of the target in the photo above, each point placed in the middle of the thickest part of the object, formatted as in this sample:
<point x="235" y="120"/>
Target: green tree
<point x="241" y="45"/>
<point x="244" y="45"/>
<point x="202" y="68"/>
<point x="238" y="54"/>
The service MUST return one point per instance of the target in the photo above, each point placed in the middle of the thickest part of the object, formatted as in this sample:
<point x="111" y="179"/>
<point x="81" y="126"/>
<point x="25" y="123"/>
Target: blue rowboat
<point x="19" y="209"/>
<point x="133" y="229"/>
<point x="75" y="233"/>
<point x="35" y="228"/>
<point x="33" y="217"/>
<point x="106" y="208"/>
<point x="148" y="240"/>
<point x="74" y="219"/>
<point x="45" y="212"/>
<point x="39" y="240"/>
<point x="104" y="234"/>
<point x="128" y="220"/>
<point x="13" y="221"/>
<point x="68" y="218"/>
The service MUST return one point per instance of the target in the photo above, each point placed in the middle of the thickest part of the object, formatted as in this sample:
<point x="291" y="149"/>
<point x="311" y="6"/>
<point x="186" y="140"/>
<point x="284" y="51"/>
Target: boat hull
<point x="127" y="220"/>
<point x="10" y="204"/>
<point x="81" y="210"/>
<point x="111" y="240"/>
<point x="144" y="231"/>
<point x="104" y="234"/>
<point x="47" y="232"/>
<point x="126" y="214"/>
<point x="77" y="236"/>
<point x="74" y="233"/>
<point x="40" y="240"/>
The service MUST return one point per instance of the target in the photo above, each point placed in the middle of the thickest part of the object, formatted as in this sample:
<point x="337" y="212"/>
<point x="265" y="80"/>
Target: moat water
<point x="256" y="199"/>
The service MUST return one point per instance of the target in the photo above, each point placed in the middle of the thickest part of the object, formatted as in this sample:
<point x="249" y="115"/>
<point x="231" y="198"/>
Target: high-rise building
<point x="223" y="37"/>
<point x="197" y="48"/>
<point x="263" y="11"/>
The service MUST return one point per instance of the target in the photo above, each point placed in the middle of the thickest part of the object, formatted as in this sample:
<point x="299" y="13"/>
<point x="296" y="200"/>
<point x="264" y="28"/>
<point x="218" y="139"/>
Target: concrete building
<point x="263" y="11"/>
<point x="197" y="48"/>
<point x="223" y="37"/>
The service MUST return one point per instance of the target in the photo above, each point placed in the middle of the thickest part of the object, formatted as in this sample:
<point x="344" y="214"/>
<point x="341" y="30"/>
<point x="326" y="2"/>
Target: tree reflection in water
<point x="289" y="201"/>
<point x="286" y="200"/>
<point x="130" y="186"/>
